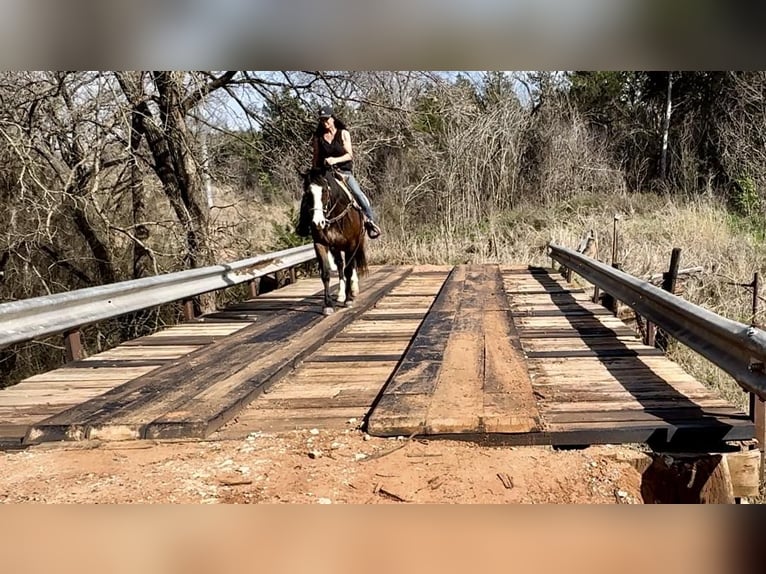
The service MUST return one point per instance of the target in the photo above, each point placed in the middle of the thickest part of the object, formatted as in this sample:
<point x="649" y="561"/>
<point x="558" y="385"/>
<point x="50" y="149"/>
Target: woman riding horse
<point x="332" y="148"/>
<point x="329" y="214"/>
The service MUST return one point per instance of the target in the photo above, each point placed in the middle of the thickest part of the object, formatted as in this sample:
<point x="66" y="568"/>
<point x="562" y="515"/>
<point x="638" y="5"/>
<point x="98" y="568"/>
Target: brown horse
<point x="336" y="224"/>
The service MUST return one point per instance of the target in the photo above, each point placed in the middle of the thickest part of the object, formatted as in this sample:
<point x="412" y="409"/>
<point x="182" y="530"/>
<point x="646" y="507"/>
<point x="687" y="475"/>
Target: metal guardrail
<point x="738" y="349"/>
<point x="29" y="319"/>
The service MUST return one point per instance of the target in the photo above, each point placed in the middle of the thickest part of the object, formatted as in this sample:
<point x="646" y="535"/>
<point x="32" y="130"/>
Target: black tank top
<point x="333" y="149"/>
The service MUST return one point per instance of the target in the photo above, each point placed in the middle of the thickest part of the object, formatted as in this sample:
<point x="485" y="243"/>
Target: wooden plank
<point x="210" y="363"/>
<point x="318" y="390"/>
<point x="399" y="414"/>
<point x="626" y="404"/>
<point x="96" y="363"/>
<point x="381" y="315"/>
<point x="658" y="435"/>
<point x="352" y="358"/>
<point x="457" y="403"/>
<point x="568" y="344"/>
<point x="174" y="340"/>
<point x="670" y="414"/>
<point x="406" y="396"/>
<point x="212" y="408"/>
<point x="415" y="376"/>
<point x="521" y="290"/>
<point x="602" y="353"/>
<point x="562" y="311"/>
<point x="509" y="401"/>
<point x="469" y="386"/>
<point x="355" y="399"/>
<point x="585" y="392"/>
<point x="581" y="333"/>
<point x="612" y="365"/>
<point x="66" y="374"/>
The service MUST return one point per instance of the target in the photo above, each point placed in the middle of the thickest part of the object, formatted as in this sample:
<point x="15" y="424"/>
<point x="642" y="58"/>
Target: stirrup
<point x="373" y="231"/>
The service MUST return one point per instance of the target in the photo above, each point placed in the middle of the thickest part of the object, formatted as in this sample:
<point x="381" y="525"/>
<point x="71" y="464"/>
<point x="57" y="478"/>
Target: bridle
<point x="329" y="207"/>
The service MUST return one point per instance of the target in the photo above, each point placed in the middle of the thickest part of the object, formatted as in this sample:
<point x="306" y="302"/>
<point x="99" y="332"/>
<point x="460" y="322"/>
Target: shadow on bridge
<point x="681" y="422"/>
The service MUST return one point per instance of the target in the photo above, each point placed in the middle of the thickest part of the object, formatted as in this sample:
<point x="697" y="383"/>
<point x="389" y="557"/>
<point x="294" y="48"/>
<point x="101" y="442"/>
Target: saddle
<point x="373" y="231"/>
<point x="341" y="179"/>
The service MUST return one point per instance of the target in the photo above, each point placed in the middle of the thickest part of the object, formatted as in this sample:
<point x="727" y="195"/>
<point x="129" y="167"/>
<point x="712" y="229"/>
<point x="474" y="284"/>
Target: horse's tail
<point x="360" y="257"/>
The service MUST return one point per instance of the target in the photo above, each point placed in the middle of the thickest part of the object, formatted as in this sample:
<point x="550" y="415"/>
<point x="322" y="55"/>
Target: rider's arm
<point x="346" y="137"/>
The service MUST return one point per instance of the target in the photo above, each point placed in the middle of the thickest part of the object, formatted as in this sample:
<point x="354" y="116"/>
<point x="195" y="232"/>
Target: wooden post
<point x="189" y="310"/>
<point x="596" y="293"/>
<point x="757" y="406"/>
<point x="758" y="416"/>
<point x="669" y="279"/>
<point x="73" y="346"/>
<point x="293" y="275"/>
<point x="254" y="287"/>
<point x="607" y="300"/>
<point x="615" y="303"/>
<point x="651" y="333"/>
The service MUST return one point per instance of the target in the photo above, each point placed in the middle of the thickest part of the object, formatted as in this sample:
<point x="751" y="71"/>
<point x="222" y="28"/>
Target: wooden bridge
<point x="512" y="355"/>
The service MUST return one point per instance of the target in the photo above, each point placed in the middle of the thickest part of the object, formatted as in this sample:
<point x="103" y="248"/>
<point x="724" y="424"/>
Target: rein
<point x="342" y="214"/>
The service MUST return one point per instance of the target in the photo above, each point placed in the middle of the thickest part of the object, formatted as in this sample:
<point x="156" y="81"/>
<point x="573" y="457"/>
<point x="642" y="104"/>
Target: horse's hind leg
<point x="342" y="283"/>
<point x="324" y="272"/>
<point x="352" y="283"/>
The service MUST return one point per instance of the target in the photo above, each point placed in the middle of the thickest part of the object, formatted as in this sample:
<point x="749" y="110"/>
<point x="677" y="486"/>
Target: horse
<point x="336" y="224"/>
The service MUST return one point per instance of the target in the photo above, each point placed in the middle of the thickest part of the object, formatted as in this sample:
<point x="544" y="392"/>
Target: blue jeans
<point x="361" y="198"/>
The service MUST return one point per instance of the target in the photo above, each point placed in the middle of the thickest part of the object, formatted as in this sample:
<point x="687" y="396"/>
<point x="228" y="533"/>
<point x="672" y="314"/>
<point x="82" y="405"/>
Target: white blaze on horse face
<point x="354" y="283"/>
<point x="318" y="218"/>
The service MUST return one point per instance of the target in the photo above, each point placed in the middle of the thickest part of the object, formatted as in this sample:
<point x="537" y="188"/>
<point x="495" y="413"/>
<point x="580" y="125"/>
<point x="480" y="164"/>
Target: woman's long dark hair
<point x="339" y="125"/>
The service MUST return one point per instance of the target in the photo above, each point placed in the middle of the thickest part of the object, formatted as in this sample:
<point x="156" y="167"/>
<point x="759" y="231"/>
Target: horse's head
<point x="322" y="195"/>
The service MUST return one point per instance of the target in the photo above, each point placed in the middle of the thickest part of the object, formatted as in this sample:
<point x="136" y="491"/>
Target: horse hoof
<point x="328" y="311"/>
<point x="349" y="303"/>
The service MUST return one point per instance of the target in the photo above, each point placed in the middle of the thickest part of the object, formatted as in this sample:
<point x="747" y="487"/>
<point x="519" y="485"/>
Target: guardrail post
<point x="73" y="346"/>
<point x="608" y="300"/>
<point x="254" y="287"/>
<point x="293" y="275"/>
<point x="758" y="416"/>
<point x="669" y="279"/>
<point x="651" y="332"/>
<point x="757" y="406"/>
<point x="189" y="314"/>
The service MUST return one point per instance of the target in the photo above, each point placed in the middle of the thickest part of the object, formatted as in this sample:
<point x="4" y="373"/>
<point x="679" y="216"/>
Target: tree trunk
<point x="666" y="128"/>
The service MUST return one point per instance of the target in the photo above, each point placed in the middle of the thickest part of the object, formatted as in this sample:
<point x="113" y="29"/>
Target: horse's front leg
<point x="323" y="256"/>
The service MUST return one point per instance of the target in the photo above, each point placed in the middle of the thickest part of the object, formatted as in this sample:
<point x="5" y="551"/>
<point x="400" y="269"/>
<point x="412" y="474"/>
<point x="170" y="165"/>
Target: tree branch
<point x="195" y="97"/>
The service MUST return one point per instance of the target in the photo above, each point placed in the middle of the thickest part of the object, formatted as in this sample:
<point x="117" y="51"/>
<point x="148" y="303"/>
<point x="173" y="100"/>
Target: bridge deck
<point x="483" y="351"/>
